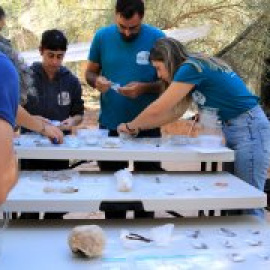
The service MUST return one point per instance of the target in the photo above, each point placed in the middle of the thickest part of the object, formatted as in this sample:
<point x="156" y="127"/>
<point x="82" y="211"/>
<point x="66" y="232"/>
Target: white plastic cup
<point x="208" y="116"/>
<point x="179" y="139"/>
<point x="82" y="133"/>
<point x="72" y="141"/>
<point x="124" y="136"/>
<point x="162" y="235"/>
<point x="104" y="132"/>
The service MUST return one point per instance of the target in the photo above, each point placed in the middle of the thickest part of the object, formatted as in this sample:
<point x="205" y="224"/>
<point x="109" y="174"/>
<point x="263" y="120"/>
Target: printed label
<point x="63" y="99"/>
<point x="143" y="58"/>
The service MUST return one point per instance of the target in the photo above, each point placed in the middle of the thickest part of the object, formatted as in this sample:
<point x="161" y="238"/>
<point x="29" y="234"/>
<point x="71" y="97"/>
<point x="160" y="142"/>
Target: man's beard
<point x="129" y="38"/>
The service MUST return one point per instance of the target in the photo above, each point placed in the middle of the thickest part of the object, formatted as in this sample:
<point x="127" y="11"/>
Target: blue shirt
<point x="217" y="89"/>
<point x="9" y="90"/>
<point x="123" y="62"/>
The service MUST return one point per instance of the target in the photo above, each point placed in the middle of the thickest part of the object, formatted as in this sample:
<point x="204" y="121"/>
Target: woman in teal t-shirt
<point x="211" y="83"/>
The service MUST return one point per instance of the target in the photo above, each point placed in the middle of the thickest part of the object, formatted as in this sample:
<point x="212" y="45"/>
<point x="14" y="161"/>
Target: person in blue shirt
<point x="211" y="83"/>
<point x="119" y="68"/>
<point x="9" y="99"/>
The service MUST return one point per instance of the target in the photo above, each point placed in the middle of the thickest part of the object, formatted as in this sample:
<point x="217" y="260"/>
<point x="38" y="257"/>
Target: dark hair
<point x="128" y="8"/>
<point x="54" y="40"/>
<point x="2" y="13"/>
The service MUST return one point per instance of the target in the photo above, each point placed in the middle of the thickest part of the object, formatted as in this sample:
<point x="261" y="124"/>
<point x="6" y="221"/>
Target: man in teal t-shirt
<point x="119" y="68"/>
<point x="123" y="63"/>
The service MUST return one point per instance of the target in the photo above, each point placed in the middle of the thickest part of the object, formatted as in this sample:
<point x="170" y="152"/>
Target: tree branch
<point x="240" y="37"/>
<point x="180" y="17"/>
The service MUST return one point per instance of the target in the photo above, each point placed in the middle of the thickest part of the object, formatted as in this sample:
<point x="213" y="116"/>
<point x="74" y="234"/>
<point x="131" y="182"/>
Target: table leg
<point x="203" y="166"/>
<point x="131" y="165"/>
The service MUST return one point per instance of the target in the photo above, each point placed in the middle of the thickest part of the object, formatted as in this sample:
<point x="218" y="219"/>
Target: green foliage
<point x="79" y="19"/>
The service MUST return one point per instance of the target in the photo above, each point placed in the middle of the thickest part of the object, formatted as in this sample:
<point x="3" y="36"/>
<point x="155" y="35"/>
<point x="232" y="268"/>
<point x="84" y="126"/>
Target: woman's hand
<point x="125" y="128"/>
<point x="122" y="128"/>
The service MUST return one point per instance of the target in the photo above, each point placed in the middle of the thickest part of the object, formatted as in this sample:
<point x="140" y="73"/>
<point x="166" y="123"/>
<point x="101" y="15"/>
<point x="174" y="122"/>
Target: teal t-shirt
<point x="217" y="89"/>
<point x="123" y="62"/>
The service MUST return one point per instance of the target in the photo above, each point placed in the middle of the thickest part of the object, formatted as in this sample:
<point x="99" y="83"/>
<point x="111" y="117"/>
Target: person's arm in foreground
<point x="38" y="124"/>
<point x="8" y="161"/>
<point x="159" y="112"/>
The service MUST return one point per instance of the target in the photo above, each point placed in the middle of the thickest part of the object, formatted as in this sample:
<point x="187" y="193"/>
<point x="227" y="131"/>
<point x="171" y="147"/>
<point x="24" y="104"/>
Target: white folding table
<point x="151" y="192"/>
<point x="136" y="150"/>
<point x="43" y="245"/>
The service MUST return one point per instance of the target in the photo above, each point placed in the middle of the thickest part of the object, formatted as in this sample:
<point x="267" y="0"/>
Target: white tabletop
<point x="167" y="191"/>
<point x="136" y="150"/>
<point x="43" y="245"/>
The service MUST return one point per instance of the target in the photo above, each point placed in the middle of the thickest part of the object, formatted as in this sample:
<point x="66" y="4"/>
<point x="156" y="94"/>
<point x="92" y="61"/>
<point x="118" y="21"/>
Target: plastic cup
<point x="104" y="132"/>
<point x="179" y="139"/>
<point x="124" y="136"/>
<point x="72" y="141"/>
<point x="82" y="133"/>
<point x="162" y="235"/>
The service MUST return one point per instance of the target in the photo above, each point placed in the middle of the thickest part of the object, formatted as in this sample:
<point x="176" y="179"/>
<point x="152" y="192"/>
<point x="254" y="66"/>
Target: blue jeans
<point x="249" y="136"/>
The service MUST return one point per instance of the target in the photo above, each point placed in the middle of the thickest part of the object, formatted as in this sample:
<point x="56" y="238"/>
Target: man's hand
<point x="131" y="90"/>
<point x="53" y="133"/>
<point x="102" y="84"/>
<point x="68" y="123"/>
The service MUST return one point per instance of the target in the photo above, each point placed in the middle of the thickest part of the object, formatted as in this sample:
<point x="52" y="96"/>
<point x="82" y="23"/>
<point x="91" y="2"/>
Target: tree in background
<point x="238" y="27"/>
